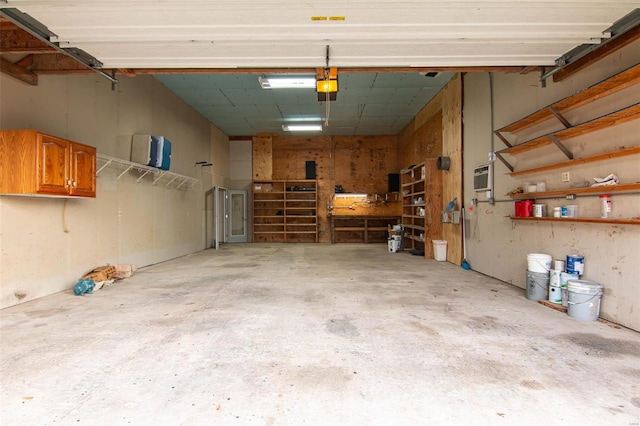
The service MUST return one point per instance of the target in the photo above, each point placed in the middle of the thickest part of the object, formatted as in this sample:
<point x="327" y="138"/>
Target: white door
<point x="237" y="216"/>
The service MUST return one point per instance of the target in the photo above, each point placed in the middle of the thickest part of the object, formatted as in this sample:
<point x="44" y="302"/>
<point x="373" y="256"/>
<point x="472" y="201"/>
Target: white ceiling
<point x="177" y="38"/>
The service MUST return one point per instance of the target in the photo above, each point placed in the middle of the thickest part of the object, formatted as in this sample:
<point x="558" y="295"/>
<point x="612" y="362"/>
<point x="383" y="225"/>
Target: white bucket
<point x="440" y="250"/>
<point x="394" y="245"/>
<point x="537" y="285"/>
<point x="564" y="279"/>
<point x="555" y="294"/>
<point x="537" y="262"/>
<point x="584" y="299"/>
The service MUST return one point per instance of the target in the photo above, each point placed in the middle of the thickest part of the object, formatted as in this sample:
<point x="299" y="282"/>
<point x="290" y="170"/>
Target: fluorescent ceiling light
<point x="302" y="127"/>
<point x="287" y="82"/>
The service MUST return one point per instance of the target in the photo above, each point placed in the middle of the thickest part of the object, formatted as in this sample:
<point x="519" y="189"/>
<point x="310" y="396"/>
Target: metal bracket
<point x="502" y="138"/>
<point x="561" y="147"/>
<point x="505" y="162"/>
<point x="560" y="117"/>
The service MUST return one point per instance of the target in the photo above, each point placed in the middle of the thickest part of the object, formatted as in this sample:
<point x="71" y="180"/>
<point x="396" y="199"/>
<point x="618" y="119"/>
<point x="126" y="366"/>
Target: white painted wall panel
<point x="128" y="222"/>
<point x="497" y="246"/>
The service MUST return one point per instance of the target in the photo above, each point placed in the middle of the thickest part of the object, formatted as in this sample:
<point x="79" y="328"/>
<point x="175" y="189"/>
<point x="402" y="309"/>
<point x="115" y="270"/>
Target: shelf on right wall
<point x="625" y="79"/>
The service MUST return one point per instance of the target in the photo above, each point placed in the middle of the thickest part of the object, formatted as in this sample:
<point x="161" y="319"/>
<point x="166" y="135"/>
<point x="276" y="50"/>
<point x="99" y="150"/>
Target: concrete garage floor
<point x="312" y="334"/>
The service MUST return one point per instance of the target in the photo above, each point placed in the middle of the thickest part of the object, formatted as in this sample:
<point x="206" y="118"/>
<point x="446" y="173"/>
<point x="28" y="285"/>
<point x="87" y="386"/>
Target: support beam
<point x="561" y="147"/>
<point x="560" y="117"/>
<point x="19" y="73"/>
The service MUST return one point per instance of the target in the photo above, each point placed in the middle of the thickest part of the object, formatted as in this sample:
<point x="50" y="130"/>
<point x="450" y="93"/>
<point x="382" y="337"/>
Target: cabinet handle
<point x="75" y="184"/>
<point x="68" y="184"/>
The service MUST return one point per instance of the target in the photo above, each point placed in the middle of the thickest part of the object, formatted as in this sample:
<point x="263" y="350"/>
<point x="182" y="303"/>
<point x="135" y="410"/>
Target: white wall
<point x="47" y="244"/>
<point x="498" y="246"/>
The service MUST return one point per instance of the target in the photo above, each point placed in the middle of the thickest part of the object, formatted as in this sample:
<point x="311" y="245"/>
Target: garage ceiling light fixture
<point x="302" y="127"/>
<point x="287" y="82"/>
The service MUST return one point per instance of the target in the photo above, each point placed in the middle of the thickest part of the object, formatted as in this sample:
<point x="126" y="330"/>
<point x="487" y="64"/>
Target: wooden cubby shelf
<point x="285" y="211"/>
<point x="361" y="229"/>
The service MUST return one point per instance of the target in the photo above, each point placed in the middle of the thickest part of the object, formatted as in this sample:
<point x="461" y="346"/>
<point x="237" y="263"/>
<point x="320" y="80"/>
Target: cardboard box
<point x="101" y="273"/>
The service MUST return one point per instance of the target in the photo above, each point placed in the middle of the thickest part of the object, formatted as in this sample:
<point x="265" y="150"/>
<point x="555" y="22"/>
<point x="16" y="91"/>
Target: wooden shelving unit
<point x="414" y="207"/>
<point x="579" y="220"/>
<point x="623" y="152"/>
<point x="618" y="82"/>
<point x="631" y="187"/>
<point x="625" y="79"/>
<point x="617" y="117"/>
<point x="285" y="211"/>
<point x="361" y="229"/>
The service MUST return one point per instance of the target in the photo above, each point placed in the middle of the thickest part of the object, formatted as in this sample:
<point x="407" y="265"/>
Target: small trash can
<point x="440" y="250"/>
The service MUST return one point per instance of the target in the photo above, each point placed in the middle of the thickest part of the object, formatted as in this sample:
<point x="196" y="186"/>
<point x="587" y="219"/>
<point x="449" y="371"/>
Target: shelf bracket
<point x="503" y="139"/>
<point x="560" y="117"/>
<point x="505" y="162"/>
<point x="169" y="183"/>
<point x="160" y="175"/>
<point x="561" y="147"/>
<point x="125" y="172"/>
<point x="103" y="166"/>
<point x="143" y="175"/>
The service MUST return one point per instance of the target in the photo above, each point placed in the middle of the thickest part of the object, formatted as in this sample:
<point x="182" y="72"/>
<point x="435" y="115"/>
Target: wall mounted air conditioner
<point x="482" y="178"/>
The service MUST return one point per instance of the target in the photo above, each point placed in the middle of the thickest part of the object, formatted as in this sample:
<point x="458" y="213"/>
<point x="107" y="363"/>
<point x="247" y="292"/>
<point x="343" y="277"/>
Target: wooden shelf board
<point x="623" y="152"/>
<point x="349" y="228"/>
<point x="617" y="117"/>
<point x="599" y="90"/>
<point x="268" y="232"/>
<point x="630" y="187"/>
<point x="579" y="219"/>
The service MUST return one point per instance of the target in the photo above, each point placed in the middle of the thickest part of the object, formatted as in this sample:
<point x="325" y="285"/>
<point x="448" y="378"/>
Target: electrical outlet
<point x="566" y="177"/>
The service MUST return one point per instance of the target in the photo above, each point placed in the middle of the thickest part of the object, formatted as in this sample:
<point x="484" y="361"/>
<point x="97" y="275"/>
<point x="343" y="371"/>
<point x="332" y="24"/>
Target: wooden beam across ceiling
<point x="18" y="72"/>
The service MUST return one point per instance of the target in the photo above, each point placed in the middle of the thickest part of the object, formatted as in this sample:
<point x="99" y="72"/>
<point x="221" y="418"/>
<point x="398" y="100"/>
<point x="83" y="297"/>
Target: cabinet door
<point x="52" y="165"/>
<point x="83" y="170"/>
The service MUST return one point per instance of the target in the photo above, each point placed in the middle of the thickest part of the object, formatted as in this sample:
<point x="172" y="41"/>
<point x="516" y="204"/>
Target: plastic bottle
<point x="605" y="205"/>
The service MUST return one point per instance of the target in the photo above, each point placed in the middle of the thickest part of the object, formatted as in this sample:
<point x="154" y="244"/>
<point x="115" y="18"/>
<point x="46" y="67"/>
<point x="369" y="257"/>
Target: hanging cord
<point x="326" y="94"/>
<point x="64" y="217"/>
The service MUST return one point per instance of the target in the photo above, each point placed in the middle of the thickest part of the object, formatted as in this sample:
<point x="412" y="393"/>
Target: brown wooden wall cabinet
<point x="35" y="163"/>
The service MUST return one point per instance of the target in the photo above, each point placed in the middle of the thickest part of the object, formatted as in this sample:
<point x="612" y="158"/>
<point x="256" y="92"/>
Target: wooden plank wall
<point x="358" y="163"/>
<point x="452" y="178"/>
<point x="262" y="155"/>
<point x="437" y="131"/>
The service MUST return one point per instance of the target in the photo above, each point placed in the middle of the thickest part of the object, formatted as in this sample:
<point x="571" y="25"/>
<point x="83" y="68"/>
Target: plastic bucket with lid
<point x="538" y="262"/>
<point x="584" y="299"/>
<point x="537" y="285"/>
<point x="564" y="279"/>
